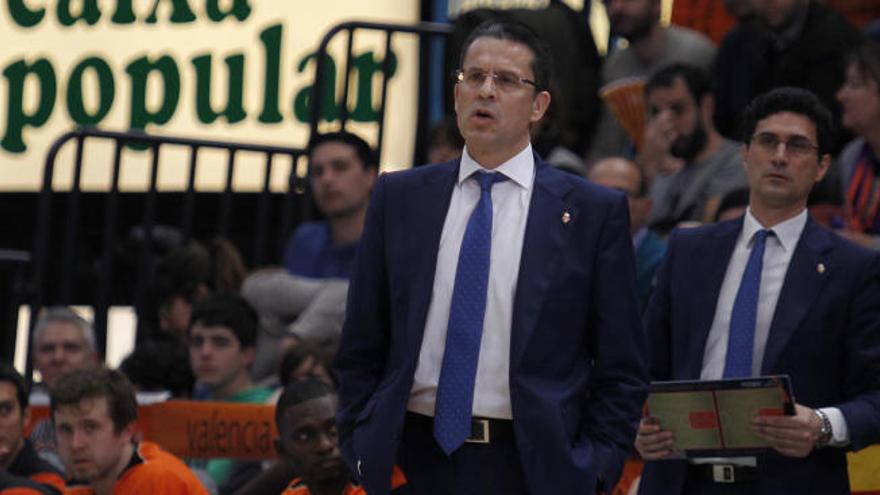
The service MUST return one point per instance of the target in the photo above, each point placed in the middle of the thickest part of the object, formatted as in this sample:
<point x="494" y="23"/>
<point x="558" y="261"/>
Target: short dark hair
<point x="789" y="99"/>
<point x="866" y="58"/>
<point x="508" y="30"/>
<point x="363" y="150"/>
<point x="697" y="81"/>
<point x="97" y="382"/>
<point x="8" y="373"/>
<point x="298" y="392"/>
<point x="299" y="353"/>
<point x="230" y="310"/>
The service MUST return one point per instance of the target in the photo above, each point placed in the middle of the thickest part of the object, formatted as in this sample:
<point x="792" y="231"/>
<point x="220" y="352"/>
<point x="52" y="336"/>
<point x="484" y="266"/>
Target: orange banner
<point x="211" y="429"/>
<point x="191" y="429"/>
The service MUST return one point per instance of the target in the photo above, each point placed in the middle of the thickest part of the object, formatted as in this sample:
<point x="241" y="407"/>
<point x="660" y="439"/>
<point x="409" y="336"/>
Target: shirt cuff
<point x="839" y="429"/>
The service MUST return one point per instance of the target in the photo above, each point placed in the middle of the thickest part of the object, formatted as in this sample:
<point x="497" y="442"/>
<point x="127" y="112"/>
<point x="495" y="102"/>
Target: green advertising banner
<point x="240" y="70"/>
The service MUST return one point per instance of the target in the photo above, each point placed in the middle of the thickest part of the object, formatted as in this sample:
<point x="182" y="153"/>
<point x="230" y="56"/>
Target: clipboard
<point x="712" y="418"/>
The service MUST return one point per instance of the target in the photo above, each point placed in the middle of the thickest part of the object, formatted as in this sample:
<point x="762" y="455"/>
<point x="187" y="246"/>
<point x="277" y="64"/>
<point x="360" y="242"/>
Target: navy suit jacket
<point x="578" y="364"/>
<point x="825" y="334"/>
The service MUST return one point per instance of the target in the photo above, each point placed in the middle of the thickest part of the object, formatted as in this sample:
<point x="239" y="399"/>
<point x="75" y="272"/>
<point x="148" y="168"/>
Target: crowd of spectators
<point x="219" y="333"/>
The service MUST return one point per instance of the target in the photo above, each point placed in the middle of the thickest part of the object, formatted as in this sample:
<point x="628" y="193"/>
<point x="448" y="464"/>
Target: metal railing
<point x="62" y="286"/>
<point x="424" y="30"/>
<point x="68" y="240"/>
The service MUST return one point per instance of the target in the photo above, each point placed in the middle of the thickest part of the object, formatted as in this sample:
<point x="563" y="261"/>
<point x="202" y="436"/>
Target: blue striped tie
<point x="741" y="338"/>
<point x="455" y="390"/>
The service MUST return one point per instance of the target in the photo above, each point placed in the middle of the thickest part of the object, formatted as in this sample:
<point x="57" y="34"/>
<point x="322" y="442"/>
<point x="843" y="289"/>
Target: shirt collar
<point x="520" y="168"/>
<point x="788" y="232"/>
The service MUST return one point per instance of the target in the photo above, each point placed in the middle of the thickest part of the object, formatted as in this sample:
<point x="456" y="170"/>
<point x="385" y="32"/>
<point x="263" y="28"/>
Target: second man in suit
<point x="771" y="293"/>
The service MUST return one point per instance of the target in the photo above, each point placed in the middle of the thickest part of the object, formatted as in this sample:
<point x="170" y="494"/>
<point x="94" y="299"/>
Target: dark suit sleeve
<point x="619" y="381"/>
<point x="862" y="411"/>
<point x="363" y="347"/>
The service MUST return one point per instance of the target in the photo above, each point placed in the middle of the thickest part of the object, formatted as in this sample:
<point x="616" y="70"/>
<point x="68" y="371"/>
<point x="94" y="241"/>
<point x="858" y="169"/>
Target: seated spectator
<point x="222" y="335"/>
<point x="306" y="419"/>
<point x="626" y="177"/>
<point x="651" y="47"/>
<point x="189" y="273"/>
<point x="94" y="411"/>
<point x="63" y="342"/>
<point x="859" y="163"/>
<point x="18" y="459"/>
<point x="342" y="171"/>
<point x="680" y="105"/>
<point x="799" y="43"/>
<point x="303" y="361"/>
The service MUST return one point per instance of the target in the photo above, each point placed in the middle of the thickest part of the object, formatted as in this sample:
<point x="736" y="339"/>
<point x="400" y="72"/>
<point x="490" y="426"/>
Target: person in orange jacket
<point x="94" y="411"/>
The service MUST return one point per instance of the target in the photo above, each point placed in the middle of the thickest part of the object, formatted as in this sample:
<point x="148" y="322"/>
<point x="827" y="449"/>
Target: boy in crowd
<point x="306" y="421"/>
<point x="222" y="337"/>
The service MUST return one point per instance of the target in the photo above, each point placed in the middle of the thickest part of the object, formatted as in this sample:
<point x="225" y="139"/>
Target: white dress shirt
<point x="778" y="252"/>
<point x="510" y="207"/>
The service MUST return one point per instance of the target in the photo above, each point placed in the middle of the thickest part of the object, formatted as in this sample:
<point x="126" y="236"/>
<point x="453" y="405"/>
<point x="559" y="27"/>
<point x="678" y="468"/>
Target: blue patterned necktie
<point x="455" y="390"/>
<point x="741" y="338"/>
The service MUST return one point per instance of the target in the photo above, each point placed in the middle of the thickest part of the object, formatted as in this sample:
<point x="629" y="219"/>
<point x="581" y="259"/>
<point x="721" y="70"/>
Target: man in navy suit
<point x="807" y="307"/>
<point x="492" y="341"/>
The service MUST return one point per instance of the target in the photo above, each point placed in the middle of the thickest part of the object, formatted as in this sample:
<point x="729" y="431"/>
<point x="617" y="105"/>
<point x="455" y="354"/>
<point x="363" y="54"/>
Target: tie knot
<point x="761" y="236"/>
<point x="486" y="179"/>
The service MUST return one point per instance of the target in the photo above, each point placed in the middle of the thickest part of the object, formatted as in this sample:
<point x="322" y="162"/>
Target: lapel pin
<point x="820" y="268"/>
<point x="566" y="217"/>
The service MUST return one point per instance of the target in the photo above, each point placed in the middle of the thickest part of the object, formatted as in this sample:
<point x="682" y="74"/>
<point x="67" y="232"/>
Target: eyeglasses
<point x="504" y="81"/>
<point x="796" y="146"/>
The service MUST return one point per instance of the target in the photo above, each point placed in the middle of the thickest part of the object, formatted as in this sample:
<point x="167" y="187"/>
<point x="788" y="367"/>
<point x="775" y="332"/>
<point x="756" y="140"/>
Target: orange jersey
<point x="152" y="472"/>
<point x="298" y="486"/>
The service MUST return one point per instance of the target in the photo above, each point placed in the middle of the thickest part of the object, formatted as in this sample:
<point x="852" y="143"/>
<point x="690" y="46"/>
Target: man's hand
<point x="654" y="154"/>
<point x="652" y="442"/>
<point x="794" y="436"/>
<point x="659" y="134"/>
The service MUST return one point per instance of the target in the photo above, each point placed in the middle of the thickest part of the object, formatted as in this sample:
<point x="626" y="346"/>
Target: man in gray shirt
<point x="651" y="46"/>
<point x="692" y="165"/>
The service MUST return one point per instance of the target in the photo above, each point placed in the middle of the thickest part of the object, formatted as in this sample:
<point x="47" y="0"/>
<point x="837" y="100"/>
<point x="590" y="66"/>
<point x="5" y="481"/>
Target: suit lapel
<point x="708" y="275"/>
<point x="802" y="285"/>
<point x="428" y="204"/>
<point x="544" y="237"/>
